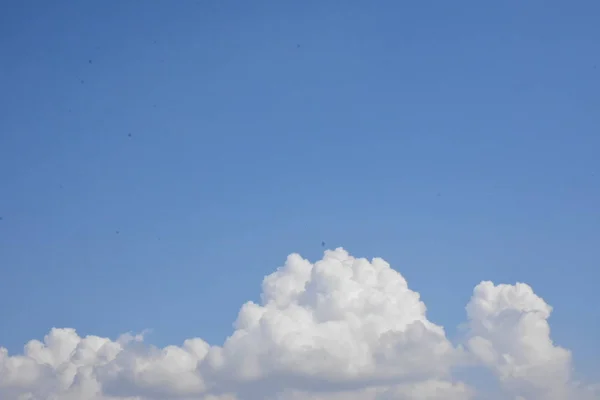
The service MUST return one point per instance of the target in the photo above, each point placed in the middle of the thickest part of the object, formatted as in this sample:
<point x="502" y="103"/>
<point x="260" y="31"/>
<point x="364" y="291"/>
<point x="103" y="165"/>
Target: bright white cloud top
<point x="341" y="328"/>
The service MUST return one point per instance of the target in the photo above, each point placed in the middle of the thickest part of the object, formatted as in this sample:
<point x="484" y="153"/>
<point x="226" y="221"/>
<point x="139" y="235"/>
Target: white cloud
<point x="510" y="335"/>
<point x="342" y="328"/>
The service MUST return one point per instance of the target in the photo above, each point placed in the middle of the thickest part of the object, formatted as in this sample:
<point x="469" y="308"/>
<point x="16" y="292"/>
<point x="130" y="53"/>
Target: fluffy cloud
<point x="341" y="328"/>
<point x="510" y="335"/>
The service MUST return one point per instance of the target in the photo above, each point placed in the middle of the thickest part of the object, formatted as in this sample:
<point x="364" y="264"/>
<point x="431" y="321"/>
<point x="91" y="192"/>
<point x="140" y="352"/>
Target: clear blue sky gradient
<point x="457" y="140"/>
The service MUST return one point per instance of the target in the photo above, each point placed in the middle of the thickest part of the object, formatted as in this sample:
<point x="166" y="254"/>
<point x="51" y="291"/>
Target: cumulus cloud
<point x="341" y="328"/>
<point x="510" y="335"/>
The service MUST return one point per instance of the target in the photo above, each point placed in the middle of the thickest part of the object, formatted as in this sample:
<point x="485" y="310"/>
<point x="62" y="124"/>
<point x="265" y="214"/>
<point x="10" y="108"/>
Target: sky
<point x="159" y="160"/>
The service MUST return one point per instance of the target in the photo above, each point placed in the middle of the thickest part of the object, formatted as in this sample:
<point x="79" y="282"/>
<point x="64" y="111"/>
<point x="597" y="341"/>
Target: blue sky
<point x="458" y="140"/>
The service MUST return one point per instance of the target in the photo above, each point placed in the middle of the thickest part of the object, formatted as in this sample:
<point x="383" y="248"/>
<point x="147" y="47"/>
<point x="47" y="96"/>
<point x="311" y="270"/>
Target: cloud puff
<point x="510" y="335"/>
<point x="341" y="328"/>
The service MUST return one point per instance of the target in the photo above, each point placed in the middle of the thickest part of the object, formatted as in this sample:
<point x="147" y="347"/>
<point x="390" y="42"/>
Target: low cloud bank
<point x="341" y="328"/>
